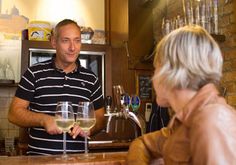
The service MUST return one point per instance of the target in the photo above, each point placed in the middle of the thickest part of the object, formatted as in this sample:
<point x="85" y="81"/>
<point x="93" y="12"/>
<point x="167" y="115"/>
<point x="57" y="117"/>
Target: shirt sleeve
<point x="26" y="87"/>
<point x="146" y="148"/>
<point x="97" y="96"/>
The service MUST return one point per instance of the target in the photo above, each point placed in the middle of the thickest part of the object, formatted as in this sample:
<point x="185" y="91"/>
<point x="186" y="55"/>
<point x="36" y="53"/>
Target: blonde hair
<point x="188" y="58"/>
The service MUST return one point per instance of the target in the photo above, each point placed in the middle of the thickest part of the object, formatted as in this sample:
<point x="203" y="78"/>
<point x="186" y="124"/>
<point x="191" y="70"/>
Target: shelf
<point x="218" y="37"/>
<point x="8" y="84"/>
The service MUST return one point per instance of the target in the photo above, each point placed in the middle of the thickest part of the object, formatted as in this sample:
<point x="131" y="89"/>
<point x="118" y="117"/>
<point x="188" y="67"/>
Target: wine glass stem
<point x="64" y="143"/>
<point x="86" y="145"/>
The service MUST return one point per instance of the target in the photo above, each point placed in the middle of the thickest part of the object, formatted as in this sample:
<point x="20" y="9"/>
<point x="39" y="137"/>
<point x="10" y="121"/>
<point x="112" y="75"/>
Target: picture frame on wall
<point x="144" y="87"/>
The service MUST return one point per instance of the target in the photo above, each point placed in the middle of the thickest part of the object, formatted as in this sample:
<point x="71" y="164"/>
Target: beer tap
<point x="124" y="112"/>
<point x="108" y="102"/>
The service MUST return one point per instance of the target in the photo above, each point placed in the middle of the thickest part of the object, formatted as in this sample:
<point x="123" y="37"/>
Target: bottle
<point x="2" y="74"/>
<point x="215" y="16"/>
<point x="9" y="72"/>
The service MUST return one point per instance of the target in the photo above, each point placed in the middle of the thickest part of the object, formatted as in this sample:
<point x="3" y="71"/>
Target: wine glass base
<point x="86" y="156"/>
<point x="64" y="158"/>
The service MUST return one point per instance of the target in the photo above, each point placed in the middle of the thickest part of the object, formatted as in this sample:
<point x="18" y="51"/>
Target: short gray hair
<point x="189" y="58"/>
<point x="55" y="31"/>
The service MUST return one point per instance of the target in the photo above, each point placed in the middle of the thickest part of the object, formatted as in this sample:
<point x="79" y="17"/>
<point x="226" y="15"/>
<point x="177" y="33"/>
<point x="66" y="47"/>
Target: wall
<point x="86" y="12"/>
<point x="6" y="129"/>
<point x="228" y="27"/>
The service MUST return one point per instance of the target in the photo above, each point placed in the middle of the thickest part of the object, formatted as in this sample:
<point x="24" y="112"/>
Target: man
<point x="46" y="83"/>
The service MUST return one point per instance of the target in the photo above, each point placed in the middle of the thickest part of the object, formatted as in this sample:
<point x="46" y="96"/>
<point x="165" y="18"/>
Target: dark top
<point x="44" y="85"/>
<point x="159" y="118"/>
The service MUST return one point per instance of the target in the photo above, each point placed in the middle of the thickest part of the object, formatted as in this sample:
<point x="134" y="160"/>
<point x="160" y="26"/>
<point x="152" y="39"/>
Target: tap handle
<point x="135" y="103"/>
<point x="125" y="100"/>
<point x="108" y="101"/>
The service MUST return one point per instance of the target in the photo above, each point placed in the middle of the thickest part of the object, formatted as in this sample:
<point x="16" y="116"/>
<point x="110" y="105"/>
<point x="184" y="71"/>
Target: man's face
<point x="67" y="44"/>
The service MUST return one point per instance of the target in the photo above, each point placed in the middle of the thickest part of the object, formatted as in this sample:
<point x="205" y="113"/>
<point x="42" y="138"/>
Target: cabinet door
<point x="131" y="28"/>
<point x="118" y="12"/>
<point x="141" y="39"/>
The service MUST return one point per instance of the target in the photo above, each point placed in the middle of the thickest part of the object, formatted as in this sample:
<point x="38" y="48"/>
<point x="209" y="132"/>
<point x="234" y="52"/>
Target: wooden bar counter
<point x="105" y="158"/>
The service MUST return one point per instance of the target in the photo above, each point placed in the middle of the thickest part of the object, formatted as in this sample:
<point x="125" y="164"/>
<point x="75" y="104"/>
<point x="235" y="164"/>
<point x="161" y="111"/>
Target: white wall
<point x="86" y="12"/>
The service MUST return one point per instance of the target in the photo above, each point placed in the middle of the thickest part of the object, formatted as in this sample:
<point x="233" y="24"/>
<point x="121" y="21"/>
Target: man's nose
<point x="72" y="46"/>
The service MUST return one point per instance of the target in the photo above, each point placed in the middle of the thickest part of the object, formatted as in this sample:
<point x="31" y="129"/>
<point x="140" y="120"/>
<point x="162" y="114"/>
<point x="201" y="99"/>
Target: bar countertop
<point x="105" y="158"/>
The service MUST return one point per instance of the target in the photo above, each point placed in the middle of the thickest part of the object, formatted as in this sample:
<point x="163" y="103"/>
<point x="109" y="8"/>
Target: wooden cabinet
<point x="131" y="28"/>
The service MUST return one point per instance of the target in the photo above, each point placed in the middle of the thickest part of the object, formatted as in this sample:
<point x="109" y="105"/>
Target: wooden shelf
<point x="218" y="37"/>
<point x="8" y="85"/>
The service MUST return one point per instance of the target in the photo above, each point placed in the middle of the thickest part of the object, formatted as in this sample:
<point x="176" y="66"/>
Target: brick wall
<point x="227" y="26"/>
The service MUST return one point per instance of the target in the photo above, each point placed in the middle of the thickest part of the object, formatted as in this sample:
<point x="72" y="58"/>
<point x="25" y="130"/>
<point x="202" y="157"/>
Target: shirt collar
<point x="77" y="69"/>
<point x="207" y="94"/>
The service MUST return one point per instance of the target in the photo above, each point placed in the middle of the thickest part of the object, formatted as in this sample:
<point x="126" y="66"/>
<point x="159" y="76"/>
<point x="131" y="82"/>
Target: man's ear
<point x="53" y="42"/>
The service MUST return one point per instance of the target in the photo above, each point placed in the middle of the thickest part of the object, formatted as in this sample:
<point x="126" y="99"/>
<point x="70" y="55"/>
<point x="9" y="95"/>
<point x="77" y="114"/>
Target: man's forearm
<point x="100" y="121"/>
<point x="25" y="118"/>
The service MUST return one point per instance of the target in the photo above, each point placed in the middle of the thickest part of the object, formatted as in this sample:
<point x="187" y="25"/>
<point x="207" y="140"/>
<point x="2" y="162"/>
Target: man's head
<point x="66" y="39"/>
<point x="55" y="32"/>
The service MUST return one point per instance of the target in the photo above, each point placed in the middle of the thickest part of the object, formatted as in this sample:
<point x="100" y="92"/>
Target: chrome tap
<point x="109" y="113"/>
<point x="108" y="102"/>
<point x="133" y="117"/>
<point x="124" y="112"/>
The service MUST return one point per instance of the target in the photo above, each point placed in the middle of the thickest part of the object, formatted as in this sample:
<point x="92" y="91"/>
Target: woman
<point x="188" y="68"/>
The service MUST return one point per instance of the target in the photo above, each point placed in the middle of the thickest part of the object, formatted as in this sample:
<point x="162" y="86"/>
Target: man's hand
<point x="50" y="126"/>
<point x="78" y="131"/>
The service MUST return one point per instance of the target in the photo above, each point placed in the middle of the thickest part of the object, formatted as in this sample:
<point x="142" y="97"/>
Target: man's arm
<point x="21" y="116"/>
<point x="100" y="121"/>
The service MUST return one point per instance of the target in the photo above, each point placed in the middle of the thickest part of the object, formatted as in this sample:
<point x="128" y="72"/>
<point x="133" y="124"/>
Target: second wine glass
<point x="86" y="120"/>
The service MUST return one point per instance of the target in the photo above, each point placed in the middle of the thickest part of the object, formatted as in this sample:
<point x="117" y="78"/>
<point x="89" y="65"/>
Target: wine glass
<point x="64" y="118"/>
<point x="86" y="120"/>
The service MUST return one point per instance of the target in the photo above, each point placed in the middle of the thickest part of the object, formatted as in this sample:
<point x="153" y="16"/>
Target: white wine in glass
<point x="86" y="120"/>
<point x="64" y="118"/>
<point x="86" y="124"/>
<point x="64" y="124"/>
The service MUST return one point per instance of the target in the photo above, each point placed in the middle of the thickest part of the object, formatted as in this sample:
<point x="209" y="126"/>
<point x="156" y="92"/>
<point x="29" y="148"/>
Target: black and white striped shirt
<point x="44" y="85"/>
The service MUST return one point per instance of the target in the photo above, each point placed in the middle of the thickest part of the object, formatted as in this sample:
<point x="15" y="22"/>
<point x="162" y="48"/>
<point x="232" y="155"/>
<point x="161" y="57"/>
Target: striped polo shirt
<point x="44" y="85"/>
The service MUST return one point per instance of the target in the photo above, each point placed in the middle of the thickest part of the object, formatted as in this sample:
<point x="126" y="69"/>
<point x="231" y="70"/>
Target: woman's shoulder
<point x="217" y="109"/>
<point x="215" y="114"/>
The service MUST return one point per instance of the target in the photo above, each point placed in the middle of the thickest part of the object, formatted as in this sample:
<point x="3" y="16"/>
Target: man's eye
<point x="64" y="41"/>
<point x="78" y="40"/>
